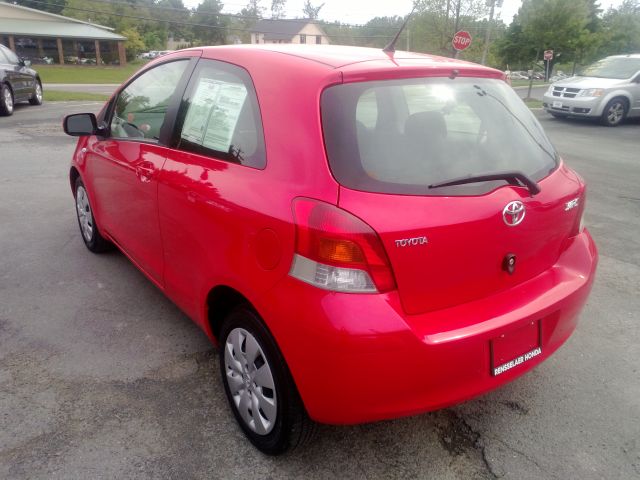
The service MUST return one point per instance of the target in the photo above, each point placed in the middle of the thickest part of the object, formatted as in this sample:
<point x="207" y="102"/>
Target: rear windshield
<point x="613" y="67"/>
<point x="400" y="136"/>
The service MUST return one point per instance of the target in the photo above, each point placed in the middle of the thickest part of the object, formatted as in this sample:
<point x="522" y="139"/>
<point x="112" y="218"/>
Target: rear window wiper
<point x="517" y="178"/>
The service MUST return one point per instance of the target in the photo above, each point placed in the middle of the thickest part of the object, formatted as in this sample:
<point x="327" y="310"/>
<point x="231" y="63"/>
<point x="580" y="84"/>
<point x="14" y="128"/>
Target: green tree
<point x="621" y="29"/>
<point x="277" y="8"/>
<point x="134" y="44"/>
<point x="436" y="21"/>
<point x="556" y="25"/>
<point x="51" y="6"/>
<point x="213" y="29"/>
<point x="311" y="11"/>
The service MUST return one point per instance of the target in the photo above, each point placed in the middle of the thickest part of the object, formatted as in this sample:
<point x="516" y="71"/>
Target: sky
<point x="360" y="11"/>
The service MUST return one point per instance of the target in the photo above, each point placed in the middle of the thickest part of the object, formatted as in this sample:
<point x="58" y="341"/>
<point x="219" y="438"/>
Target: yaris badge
<point x="513" y="213"/>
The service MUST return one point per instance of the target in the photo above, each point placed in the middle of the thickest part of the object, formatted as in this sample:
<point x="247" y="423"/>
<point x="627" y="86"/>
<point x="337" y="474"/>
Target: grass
<point x="86" y="74"/>
<point x="533" y="103"/>
<point x="55" y="96"/>
<point x="525" y="83"/>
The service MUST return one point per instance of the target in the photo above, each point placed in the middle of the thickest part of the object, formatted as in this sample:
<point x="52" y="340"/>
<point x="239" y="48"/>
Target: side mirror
<point x="80" y="124"/>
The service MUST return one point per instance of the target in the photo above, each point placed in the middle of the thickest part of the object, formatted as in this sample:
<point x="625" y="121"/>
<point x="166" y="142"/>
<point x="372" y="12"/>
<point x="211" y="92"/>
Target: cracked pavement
<point x="103" y="377"/>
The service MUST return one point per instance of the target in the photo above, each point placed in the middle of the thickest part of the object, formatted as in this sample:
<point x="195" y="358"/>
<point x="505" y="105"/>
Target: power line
<point x="191" y="24"/>
<point x="194" y="12"/>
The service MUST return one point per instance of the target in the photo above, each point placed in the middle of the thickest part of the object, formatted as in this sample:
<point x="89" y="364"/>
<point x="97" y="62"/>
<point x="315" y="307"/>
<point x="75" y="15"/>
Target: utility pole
<point x="487" y="35"/>
<point x="456" y="25"/>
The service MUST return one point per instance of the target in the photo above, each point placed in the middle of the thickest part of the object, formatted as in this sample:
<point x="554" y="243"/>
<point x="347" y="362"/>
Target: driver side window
<point x="141" y="107"/>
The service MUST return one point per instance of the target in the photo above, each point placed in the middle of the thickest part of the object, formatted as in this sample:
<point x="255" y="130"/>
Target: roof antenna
<point x="391" y="46"/>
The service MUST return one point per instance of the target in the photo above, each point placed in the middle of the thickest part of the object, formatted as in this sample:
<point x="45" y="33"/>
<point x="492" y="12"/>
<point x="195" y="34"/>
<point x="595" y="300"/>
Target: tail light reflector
<point x="335" y="250"/>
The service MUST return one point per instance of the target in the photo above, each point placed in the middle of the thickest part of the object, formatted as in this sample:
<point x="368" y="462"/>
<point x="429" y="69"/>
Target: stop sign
<point x="461" y="40"/>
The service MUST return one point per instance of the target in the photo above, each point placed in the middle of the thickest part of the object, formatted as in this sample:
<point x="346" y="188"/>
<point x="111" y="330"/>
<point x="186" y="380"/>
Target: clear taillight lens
<point x="337" y="251"/>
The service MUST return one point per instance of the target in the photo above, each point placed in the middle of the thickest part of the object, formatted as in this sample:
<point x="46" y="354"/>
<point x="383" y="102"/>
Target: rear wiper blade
<point x="517" y="178"/>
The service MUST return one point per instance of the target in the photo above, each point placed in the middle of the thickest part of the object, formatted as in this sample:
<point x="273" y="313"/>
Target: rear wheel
<point x="6" y="100"/>
<point x="36" y="99"/>
<point x="259" y="387"/>
<point x="614" y="113"/>
<point x="88" y="228"/>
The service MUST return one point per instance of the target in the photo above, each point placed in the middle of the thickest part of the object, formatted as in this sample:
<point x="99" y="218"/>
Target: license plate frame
<point x="557" y="104"/>
<point x="515" y="347"/>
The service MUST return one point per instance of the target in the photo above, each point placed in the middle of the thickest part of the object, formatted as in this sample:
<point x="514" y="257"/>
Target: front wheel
<point x="6" y="100"/>
<point x="86" y="221"/>
<point x="259" y="387"/>
<point x="36" y="98"/>
<point x="614" y="113"/>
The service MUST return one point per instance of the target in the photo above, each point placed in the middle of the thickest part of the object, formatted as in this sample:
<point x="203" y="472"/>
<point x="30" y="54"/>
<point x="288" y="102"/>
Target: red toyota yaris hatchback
<point x="365" y="235"/>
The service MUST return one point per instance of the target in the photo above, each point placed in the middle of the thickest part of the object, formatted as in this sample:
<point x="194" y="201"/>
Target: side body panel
<point x="227" y="224"/>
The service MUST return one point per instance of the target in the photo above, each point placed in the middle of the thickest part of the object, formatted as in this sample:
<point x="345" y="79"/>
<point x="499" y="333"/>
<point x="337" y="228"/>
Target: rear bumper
<point x="359" y="358"/>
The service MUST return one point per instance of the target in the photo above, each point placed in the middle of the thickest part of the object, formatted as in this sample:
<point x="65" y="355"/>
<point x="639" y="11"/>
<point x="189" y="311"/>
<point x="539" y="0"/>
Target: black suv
<point x="18" y="82"/>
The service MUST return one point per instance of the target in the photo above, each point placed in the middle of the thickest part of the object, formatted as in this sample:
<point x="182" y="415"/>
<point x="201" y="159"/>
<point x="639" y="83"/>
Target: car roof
<point x="339" y="56"/>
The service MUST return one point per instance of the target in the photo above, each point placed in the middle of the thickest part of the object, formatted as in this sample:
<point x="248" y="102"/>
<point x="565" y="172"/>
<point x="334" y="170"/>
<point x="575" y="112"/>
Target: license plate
<point x="557" y="104"/>
<point x="515" y="348"/>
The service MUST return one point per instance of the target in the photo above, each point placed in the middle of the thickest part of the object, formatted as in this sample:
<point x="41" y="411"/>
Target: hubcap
<point x="84" y="213"/>
<point x="38" y="92"/>
<point x="8" y="99"/>
<point x="615" y="113"/>
<point x="250" y="381"/>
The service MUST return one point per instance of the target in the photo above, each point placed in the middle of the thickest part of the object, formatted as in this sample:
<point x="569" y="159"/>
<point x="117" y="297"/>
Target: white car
<point x="608" y="90"/>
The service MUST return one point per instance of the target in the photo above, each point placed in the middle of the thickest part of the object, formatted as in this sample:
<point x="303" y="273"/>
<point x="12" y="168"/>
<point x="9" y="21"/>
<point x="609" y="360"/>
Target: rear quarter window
<point x="220" y="117"/>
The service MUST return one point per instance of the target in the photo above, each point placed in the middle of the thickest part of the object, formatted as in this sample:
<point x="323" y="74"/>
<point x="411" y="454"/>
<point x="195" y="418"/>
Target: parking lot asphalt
<point x="102" y="377"/>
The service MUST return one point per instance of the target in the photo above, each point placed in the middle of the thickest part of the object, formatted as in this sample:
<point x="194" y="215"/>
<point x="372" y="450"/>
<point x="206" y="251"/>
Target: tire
<point x="615" y="112"/>
<point x="6" y="100"/>
<point x="88" y="228"/>
<point x="283" y="426"/>
<point x="36" y="98"/>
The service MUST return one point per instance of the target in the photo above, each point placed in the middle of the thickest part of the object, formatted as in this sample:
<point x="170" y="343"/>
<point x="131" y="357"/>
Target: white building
<point x="36" y="35"/>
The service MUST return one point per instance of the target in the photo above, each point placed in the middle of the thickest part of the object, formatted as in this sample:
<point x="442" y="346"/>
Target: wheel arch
<point x="614" y="95"/>
<point x="220" y="301"/>
<point x="73" y="176"/>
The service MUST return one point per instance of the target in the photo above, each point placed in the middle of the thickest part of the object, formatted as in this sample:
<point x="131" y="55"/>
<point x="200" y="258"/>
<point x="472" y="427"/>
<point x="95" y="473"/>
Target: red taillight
<point x="341" y="245"/>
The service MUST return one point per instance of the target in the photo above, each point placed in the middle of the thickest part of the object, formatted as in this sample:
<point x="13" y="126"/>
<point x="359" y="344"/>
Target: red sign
<point x="461" y="40"/>
<point x="548" y="55"/>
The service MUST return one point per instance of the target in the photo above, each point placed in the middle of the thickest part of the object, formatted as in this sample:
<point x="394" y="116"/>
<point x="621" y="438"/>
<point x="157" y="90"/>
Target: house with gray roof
<point x="275" y="30"/>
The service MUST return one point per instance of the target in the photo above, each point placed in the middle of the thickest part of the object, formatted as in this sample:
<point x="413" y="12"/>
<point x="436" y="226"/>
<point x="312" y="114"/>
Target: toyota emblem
<point x="513" y="213"/>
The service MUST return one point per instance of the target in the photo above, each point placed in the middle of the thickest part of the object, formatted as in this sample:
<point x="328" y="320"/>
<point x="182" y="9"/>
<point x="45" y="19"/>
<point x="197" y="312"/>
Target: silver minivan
<point x="608" y="90"/>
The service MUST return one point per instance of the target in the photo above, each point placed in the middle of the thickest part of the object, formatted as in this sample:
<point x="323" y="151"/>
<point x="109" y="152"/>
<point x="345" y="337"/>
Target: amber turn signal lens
<point x="340" y="251"/>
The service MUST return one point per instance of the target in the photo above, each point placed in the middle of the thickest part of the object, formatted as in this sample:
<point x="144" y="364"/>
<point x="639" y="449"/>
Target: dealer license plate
<point x="515" y="348"/>
<point x="557" y="104"/>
